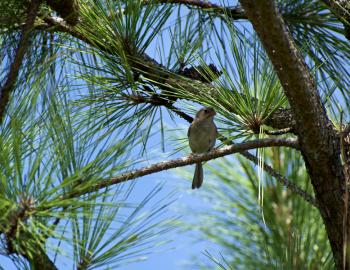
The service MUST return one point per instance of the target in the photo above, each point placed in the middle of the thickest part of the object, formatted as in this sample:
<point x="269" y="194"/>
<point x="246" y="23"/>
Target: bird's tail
<point x="198" y="176"/>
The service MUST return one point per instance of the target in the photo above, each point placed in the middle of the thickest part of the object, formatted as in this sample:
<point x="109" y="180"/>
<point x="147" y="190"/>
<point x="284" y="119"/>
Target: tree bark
<point x="319" y="142"/>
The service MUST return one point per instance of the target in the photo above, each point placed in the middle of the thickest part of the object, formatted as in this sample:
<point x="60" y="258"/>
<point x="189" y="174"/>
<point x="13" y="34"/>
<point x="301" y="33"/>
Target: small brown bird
<point x="201" y="135"/>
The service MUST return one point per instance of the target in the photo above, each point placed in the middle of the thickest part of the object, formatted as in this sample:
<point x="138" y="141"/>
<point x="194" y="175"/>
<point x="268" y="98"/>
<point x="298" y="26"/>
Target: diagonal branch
<point x="192" y="159"/>
<point x="283" y="180"/>
<point x="23" y="44"/>
<point x="281" y="119"/>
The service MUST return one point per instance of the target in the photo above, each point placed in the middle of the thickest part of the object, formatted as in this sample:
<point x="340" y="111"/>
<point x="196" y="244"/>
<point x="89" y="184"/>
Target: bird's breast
<point x="202" y="137"/>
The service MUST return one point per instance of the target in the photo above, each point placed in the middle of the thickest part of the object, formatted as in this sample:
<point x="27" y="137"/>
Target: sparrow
<point x="202" y="135"/>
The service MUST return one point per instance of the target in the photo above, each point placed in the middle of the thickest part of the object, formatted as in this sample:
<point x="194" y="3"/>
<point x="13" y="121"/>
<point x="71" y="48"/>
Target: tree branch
<point x="23" y="44"/>
<point x="281" y="119"/>
<point x="15" y="233"/>
<point x="278" y="132"/>
<point x="192" y="159"/>
<point x="67" y="9"/>
<point x="283" y="180"/>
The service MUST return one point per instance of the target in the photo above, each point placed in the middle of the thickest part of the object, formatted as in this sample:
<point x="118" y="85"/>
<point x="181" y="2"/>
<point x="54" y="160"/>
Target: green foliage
<point x="96" y="244"/>
<point x="246" y="94"/>
<point x="48" y="163"/>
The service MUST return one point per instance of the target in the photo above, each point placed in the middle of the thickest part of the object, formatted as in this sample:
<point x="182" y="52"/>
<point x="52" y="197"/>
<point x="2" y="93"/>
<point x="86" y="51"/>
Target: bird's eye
<point x="206" y="111"/>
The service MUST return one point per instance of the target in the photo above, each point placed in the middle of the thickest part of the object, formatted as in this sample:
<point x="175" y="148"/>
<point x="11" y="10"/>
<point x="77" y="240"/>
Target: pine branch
<point x="312" y="124"/>
<point x="22" y="47"/>
<point x="278" y="132"/>
<point x="16" y="234"/>
<point x="283" y="180"/>
<point x="191" y="159"/>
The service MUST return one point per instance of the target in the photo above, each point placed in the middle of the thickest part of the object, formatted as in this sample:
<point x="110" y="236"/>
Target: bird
<point x="201" y="135"/>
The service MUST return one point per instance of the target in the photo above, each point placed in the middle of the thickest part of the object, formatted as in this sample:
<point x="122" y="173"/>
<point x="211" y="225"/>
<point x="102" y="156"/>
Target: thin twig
<point x="283" y="180"/>
<point x="22" y="47"/>
<point x="235" y="13"/>
<point x="278" y="132"/>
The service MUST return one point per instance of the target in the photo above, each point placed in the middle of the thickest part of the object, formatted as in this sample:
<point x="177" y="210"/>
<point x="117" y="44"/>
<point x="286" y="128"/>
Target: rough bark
<point x="318" y="140"/>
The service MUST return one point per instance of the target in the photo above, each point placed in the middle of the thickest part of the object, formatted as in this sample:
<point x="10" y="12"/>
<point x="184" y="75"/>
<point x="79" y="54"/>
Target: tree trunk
<point x="319" y="141"/>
